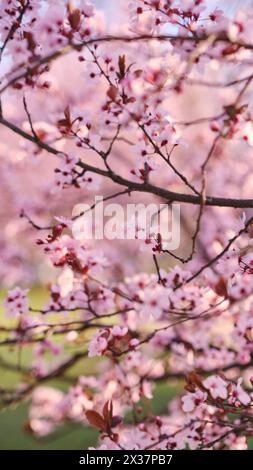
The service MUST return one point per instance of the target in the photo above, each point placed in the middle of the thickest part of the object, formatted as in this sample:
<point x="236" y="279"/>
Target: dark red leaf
<point x="96" y="420"/>
<point x="75" y="19"/>
<point x="112" y="92"/>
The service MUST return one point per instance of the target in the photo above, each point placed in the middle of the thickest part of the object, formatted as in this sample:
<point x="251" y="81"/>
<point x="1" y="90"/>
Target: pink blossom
<point x="87" y="9"/>
<point x="217" y="387"/>
<point x="239" y="394"/>
<point x="150" y="105"/>
<point x="193" y="400"/>
<point x="217" y="15"/>
<point x="119" y="331"/>
<point x="97" y="345"/>
<point x="16" y="302"/>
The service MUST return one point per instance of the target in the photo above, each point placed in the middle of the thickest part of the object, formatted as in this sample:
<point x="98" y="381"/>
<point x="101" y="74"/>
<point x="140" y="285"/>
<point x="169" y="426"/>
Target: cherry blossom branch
<point x="218" y="38"/>
<point x="220" y="254"/>
<point x="56" y="372"/>
<point x="138" y="187"/>
<point x="15" y="25"/>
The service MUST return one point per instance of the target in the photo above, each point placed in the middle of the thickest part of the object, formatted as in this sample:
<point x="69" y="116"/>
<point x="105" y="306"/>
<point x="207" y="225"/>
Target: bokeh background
<point x="13" y="431"/>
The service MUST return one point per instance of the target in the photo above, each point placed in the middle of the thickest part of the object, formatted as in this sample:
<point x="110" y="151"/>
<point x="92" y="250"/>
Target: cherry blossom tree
<point x="155" y="109"/>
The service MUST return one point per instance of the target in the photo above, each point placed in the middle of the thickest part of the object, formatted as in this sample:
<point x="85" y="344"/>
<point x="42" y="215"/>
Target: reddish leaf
<point x="30" y="41"/>
<point x="112" y="92"/>
<point x="194" y="379"/>
<point x="116" y="420"/>
<point x="67" y="114"/>
<point x="96" y="420"/>
<point x="108" y="412"/>
<point x="122" y="66"/>
<point x="75" y="19"/>
<point x="221" y="288"/>
<point x="65" y="123"/>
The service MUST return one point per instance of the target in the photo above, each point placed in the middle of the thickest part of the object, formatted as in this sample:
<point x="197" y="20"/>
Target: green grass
<point x="68" y="437"/>
<point x="13" y="436"/>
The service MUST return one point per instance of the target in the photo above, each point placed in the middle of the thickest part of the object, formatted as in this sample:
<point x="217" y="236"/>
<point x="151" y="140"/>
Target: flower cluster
<point x="152" y="105"/>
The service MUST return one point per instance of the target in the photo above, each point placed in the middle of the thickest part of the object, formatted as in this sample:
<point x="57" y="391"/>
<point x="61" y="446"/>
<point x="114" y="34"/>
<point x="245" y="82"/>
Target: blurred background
<point x="13" y="430"/>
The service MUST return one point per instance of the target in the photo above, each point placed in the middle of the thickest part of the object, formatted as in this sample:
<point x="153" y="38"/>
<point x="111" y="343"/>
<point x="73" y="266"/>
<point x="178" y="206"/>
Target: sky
<point x="113" y="7"/>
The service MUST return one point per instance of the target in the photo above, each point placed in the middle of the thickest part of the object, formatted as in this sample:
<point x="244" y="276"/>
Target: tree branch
<point x="134" y="186"/>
